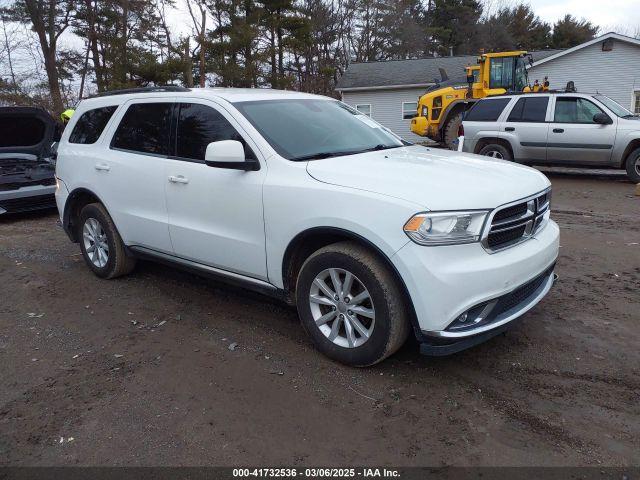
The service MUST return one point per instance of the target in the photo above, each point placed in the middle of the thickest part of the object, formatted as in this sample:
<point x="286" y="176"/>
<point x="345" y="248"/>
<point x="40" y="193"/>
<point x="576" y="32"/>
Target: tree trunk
<point x="84" y="72"/>
<point x="47" y="39"/>
<point x="203" y="31"/>
<point x="188" y="65"/>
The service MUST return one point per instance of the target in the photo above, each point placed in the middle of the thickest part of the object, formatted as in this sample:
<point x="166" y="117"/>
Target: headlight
<point x="445" y="228"/>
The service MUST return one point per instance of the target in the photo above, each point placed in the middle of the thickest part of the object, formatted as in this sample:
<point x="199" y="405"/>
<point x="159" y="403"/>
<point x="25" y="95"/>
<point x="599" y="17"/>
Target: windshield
<point x="306" y="129"/>
<point x="614" y="106"/>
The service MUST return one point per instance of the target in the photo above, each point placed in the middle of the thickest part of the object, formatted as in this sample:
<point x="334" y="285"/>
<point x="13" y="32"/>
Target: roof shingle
<point x="421" y="71"/>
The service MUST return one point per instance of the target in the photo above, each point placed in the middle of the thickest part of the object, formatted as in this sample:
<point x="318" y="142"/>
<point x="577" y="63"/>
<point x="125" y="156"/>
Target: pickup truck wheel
<point x="450" y="133"/>
<point x="633" y="166"/>
<point x="350" y="305"/>
<point x="100" y="243"/>
<point x="496" y="150"/>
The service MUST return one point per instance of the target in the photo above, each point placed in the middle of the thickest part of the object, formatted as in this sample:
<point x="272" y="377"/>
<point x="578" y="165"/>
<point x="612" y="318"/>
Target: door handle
<point x="102" y="166"/>
<point x="178" y="179"/>
<point x="509" y="129"/>
<point x="558" y="130"/>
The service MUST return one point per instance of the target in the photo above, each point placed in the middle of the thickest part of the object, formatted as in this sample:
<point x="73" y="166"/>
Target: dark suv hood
<point x="26" y="136"/>
<point x="26" y="130"/>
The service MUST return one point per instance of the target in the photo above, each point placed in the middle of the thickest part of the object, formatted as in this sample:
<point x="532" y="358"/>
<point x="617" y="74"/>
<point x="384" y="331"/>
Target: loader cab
<point x="504" y="72"/>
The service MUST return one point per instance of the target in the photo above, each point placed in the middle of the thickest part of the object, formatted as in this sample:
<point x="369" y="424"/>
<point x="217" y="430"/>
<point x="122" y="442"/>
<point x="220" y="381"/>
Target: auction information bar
<point x="405" y="473"/>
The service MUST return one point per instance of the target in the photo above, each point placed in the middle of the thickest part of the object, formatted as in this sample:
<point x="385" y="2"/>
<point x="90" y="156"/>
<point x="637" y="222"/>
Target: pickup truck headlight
<point x="446" y="228"/>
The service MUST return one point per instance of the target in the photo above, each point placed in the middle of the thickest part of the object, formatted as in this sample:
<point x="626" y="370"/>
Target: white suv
<point x="303" y="197"/>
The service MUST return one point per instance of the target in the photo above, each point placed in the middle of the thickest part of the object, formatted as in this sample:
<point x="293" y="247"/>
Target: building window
<point x="365" y="109"/>
<point x="409" y="110"/>
<point x="636" y="104"/>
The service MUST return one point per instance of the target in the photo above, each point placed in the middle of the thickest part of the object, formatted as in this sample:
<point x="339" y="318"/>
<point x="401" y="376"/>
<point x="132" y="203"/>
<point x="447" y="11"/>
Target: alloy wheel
<point x="494" y="154"/>
<point x="95" y="242"/>
<point x="342" y="307"/>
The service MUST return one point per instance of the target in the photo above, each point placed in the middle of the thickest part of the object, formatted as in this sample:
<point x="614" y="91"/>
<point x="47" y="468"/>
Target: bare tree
<point x="48" y="19"/>
<point x="199" y="19"/>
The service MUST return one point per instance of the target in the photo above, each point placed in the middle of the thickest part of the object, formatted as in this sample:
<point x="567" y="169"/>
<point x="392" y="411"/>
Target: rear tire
<point x="633" y="166"/>
<point x="450" y="131"/>
<point x="365" y="315"/>
<point x="495" y="150"/>
<point x="100" y="243"/>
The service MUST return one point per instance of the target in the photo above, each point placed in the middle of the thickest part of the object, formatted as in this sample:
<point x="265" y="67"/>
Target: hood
<point x="433" y="178"/>
<point x="629" y="123"/>
<point x="26" y="130"/>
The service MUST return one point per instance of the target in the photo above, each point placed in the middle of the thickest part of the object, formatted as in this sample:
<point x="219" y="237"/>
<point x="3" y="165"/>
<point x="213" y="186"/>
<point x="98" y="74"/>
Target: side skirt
<point x="225" y="276"/>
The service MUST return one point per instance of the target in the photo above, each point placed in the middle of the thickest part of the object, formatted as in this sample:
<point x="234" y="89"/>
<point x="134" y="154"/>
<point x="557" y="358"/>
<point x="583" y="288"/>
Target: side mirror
<point x="602" y="119"/>
<point x="229" y="154"/>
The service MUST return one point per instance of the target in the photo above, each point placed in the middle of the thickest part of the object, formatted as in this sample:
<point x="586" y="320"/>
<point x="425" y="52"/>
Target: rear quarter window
<point x="487" y="110"/>
<point x="90" y="125"/>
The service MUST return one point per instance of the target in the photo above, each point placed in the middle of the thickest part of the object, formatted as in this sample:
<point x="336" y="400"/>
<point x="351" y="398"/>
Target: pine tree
<point x="569" y="32"/>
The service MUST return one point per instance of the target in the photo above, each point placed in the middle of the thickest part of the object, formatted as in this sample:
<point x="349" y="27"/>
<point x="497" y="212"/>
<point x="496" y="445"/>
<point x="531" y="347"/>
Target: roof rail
<point x="158" y="88"/>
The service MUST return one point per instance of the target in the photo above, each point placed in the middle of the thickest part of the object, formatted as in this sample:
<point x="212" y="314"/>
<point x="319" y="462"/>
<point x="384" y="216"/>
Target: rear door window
<point x="198" y="126"/>
<point x="90" y="125"/>
<point x="487" y="110"/>
<point x="529" y="109"/>
<point x="145" y="128"/>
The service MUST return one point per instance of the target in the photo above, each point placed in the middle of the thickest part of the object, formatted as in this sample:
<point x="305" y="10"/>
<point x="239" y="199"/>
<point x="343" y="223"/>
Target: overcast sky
<point x="622" y="16"/>
<point x="611" y="15"/>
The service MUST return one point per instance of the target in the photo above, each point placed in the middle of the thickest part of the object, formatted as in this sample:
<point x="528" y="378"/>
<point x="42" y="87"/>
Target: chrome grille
<point x="515" y="222"/>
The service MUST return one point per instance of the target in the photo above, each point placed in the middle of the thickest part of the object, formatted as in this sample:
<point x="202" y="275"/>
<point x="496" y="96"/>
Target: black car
<point x="27" y="160"/>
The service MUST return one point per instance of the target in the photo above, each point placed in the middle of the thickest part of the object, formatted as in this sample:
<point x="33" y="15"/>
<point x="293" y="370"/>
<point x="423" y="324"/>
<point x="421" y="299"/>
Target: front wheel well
<point x="306" y="243"/>
<point x="76" y="201"/>
<point x="483" y="142"/>
<point x="633" y="144"/>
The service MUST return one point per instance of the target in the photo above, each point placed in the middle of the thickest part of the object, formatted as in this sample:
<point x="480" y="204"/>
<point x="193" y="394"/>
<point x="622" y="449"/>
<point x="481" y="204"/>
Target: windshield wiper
<point x="380" y="146"/>
<point x="321" y="155"/>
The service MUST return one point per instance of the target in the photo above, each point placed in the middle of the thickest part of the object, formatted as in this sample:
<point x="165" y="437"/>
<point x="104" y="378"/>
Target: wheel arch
<point x="484" y="141"/>
<point x="453" y="108"/>
<point x="77" y="199"/>
<point x="633" y="145"/>
<point x="312" y="239"/>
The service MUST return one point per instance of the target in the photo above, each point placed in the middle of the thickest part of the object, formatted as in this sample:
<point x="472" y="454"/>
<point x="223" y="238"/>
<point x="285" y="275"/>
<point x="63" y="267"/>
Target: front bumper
<point x="26" y="199"/>
<point x="445" y="282"/>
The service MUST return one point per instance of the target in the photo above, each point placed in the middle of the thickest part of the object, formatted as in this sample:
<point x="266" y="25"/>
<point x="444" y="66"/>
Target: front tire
<point x="495" y="150"/>
<point x="633" y="166"/>
<point x="100" y="243"/>
<point x="351" y="306"/>
<point x="450" y="133"/>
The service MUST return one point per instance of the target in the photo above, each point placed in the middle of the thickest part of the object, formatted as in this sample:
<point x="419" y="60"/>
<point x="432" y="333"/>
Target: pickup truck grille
<point x="27" y="204"/>
<point x="516" y="222"/>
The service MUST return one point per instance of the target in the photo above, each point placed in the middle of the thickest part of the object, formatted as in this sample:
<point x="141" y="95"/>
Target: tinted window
<point x="21" y="131"/>
<point x="487" y="110"/>
<point x="90" y="125"/>
<point x="145" y="128"/>
<point x="575" y="110"/>
<point x="529" y="109"/>
<point x="198" y="126"/>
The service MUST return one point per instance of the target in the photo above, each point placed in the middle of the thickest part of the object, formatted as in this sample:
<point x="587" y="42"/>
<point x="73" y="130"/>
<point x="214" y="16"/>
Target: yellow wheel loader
<point x="441" y="108"/>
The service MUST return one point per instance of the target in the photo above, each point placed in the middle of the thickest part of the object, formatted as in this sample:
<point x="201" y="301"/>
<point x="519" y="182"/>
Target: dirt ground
<point x="138" y="371"/>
